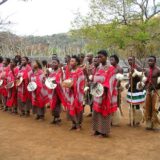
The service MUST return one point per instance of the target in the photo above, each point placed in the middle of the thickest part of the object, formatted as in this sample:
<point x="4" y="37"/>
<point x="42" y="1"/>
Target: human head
<point x="114" y="60"/>
<point x="6" y="62"/>
<point x="24" y="61"/>
<point x="18" y="59"/>
<point x="89" y="57"/>
<point x="131" y="60"/>
<point x="81" y="58"/>
<point x="1" y="59"/>
<point x="44" y="63"/>
<point x="13" y="63"/>
<point x="152" y="61"/>
<point x="102" y="55"/>
<point x="55" y="63"/>
<point x="36" y="65"/>
<point x="96" y="61"/>
<point x="67" y="58"/>
<point x="74" y="61"/>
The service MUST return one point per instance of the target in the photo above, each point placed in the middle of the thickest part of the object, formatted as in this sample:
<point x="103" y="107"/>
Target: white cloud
<point x="42" y="17"/>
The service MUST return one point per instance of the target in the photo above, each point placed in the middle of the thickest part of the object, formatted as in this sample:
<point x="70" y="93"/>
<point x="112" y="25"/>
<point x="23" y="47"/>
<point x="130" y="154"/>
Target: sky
<point x="41" y="17"/>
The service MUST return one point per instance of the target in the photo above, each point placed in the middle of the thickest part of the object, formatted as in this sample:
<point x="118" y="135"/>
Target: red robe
<point x="52" y="93"/>
<point x="39" y="97"/>
<point x="23" y="93"/>
<point x="3" y="76"/>
<point x="75" y="95"/>
<point x="12" y="93"/>
<point x="111" y="84"/>
<point x="1" y="69"/>
<point x="103" y="104"/>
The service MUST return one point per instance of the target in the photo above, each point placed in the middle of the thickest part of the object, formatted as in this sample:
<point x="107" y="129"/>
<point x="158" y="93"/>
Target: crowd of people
<point x="27" y="86"/>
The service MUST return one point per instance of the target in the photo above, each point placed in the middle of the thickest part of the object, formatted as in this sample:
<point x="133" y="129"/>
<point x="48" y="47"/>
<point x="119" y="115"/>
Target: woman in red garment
<point x="12" y="93"/>
<point x="1" y="69"/>
<point x="3" y="76"/>
<point x="23" y="95"/>
<point x="39" y="97"/>
<point x="75" y="95"/>
<point x="55" y="94"/>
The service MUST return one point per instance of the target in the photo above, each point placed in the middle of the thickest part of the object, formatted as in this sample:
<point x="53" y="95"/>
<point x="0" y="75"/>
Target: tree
<point x="4" y="22"/>
<point x="121" y="25"/>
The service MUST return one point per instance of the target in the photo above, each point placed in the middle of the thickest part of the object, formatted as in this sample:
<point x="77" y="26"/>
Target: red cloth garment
<point x="52" y="93"/>
<point x="3" y="76"/>
<point x="105" y="104"/>
<point x="111" y="84"/>
<point x="12" y="92"/>
<point x="74" y="96"/>
<point x="149" y="78"/>
<point x="24" y="72"/>
<point x="1" y="69"/>
<point x="39" y="97"/>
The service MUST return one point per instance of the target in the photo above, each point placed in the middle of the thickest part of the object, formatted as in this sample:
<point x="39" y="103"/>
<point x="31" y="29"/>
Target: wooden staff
<point x="131" y="105"/>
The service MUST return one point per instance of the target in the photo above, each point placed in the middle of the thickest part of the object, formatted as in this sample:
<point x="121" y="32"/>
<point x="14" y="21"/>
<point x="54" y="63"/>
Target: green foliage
<point x="122" y="26"/>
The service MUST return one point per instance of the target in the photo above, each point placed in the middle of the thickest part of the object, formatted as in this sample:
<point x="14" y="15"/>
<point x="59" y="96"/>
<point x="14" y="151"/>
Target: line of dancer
<point x="30" y="87"/>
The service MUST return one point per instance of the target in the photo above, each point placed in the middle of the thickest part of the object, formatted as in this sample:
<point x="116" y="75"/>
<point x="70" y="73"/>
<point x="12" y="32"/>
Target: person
<point x="39" y="97"/>
<point x="22" y="92"/>
<point x="115" y="70"/>
<point x="101" y="117"/>
<point x="18" y="60"/>
<point x="1" y="69"/>
<point x="44" y="66"/>
<point x="3" y="76"/>
<point x="12" y="93"/>
<point x="54" y="98"/>
<point x="81" y="57"/>
<point x="135" y="96"/>
<point x="88" y="72"/>
<point x="75" y="93"/>
<point x="153" y="94"/>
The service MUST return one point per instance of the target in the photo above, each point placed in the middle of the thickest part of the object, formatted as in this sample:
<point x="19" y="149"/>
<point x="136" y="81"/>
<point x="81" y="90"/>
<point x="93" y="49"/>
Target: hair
<point x="8" y="60"/>
<point x="39" y="64"/>
<point x="76" y="58"/>
<point x="14" y="60"/>
<point x="44" y="62"/>
<point x="18" y="57"/>
<point x="103" y="52"/>
<point x="133" y="57"/>
<point x="81" y="55"/>
<point x="26" y="58"/>
<point x="95" y="57"/>
<point x="67" y="56"/>
<point x="115" y="57"/>
<point x="56" y="59"/>
<point x="154" y="57"/>
<point x="1" y="59"/>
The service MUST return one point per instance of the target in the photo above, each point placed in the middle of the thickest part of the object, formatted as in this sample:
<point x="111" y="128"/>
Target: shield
<point x="19" y="81"/>
<point x="49" y="82"/>
<point x="32" y="86"/>
<point x="1" y="82"/>
<point x="10" y="85"/>
<point x="68" y="83"/>
<point x="97" y="89"/>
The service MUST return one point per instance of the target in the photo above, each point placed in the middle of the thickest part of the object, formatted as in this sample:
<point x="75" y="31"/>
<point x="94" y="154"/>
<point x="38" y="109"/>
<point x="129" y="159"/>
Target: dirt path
<point x="28" y="139"/>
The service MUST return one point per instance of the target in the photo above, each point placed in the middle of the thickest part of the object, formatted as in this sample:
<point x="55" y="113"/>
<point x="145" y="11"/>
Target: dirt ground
<point x="28" y="139"/>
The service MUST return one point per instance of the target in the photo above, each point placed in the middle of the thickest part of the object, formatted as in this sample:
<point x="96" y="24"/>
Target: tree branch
<point x="3" y="1"/>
